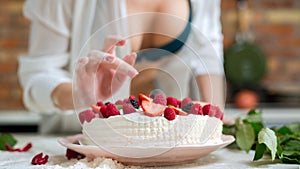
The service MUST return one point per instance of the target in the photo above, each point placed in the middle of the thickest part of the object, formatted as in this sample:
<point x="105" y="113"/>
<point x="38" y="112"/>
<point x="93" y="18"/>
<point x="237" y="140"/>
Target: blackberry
<point x="134" y="103"/>
<point x="187" y="107"/>
<point x="107" y="103"/>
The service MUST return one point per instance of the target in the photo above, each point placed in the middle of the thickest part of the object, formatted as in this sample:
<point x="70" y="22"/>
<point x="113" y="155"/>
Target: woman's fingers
<point x="123" y="67"/>
<point x="130" y="59"/>
<point x="111" y="42"/>
<point x="97" y="60"/>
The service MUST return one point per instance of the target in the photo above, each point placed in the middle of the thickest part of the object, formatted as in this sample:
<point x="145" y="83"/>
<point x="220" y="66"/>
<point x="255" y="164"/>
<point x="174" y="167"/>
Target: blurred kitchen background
<point x="274" y="24"/>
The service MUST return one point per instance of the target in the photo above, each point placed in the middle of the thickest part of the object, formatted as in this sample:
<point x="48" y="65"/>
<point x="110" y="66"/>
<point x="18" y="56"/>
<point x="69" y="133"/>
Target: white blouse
<point x="60" y="30"/>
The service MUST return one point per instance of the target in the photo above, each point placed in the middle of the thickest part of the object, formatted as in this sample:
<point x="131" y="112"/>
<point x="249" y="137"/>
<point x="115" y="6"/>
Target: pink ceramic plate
<point x="171" y="156"/>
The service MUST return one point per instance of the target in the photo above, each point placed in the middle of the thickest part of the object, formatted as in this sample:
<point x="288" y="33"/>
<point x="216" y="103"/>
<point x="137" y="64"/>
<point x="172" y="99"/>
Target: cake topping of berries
<point x="144" y="97"/>
<point x="185" y="101"/>
<point x="209" y="110"/>
<point x="95" y="108"/>
<point x="86" y="115"/>
<point x="119" y="102"/>
<point x="212" y="111"/>
<point x="196" y="109"/>
<point x="112" y="110"/>
<point x="178" y="111"/>
<point x="128" y="108"/>
<point x="134" y="103"/>
<point x="152" y="109"/>
<point x="169" y="113"/>
<point x="157" y="106"/>
<point x="160" y="99"/>
<point x="187" y="107"/>
<point x="172" y="101"/>
<point x="100" y="104"/>
<point x="103" y="111"/>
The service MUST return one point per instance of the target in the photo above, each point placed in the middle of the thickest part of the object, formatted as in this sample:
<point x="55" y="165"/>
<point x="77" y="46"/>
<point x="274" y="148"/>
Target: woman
<point x="60" y="30"/>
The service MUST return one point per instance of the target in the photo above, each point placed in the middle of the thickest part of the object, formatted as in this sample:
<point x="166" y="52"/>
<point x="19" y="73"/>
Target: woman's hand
<point x="101" y="74"/>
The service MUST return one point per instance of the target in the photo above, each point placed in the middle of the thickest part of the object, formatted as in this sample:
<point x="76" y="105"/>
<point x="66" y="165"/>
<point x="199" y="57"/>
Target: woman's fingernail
<point x="132" y="73"/>
<point x="83" y="61"/>
<point x="109" y="58"/>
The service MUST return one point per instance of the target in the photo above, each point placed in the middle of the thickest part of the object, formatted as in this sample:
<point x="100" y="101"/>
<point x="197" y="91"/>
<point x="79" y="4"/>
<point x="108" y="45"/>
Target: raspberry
<point x="100" y="104"/>
<point x="125" y="100"/>
<point x="196" y="109"/>
<point x="219" y="114"/>
<point x="119" y="102"/>
<point x="185" y="101"/>
<point x="86" y="115"/>
<point x="187" y="107"/>
<point x="103" y="111"/>
<point x="172" y="101"/>
<point x="70" y="154"/>
<point x="160" y="99"/>
<point x="39" y="159"/>
<point x="178" y="103"/>
<point x="112" y="110"/>
<point x="210" y="110"/>
<point x="169" y="113"/>
<point x="128" y="108"/>
<point x="131" y="97"/>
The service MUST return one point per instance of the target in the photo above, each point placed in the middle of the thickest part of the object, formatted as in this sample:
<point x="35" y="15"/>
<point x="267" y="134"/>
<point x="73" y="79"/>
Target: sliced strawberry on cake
<point x="96" y="109"/>
<point x="179" y="111"/>
<point x="151" y="109"/>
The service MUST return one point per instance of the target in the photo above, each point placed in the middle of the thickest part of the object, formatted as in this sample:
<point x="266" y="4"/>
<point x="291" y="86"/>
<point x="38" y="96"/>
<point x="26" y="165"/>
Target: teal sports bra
<point x="154" y="54"/>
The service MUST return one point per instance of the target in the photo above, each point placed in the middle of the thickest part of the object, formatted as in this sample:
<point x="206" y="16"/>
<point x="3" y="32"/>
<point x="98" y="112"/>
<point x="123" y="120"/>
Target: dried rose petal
<point x="24" y="149"/>
<point x="27" y="147"/>
<point x="73" y="154"/>
<point x="39" y="159"/>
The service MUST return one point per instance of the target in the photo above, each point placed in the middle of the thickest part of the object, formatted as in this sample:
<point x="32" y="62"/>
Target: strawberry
<point x="96" y="109"/>
<point x="144" y="97"/>
<point x="152" y="109"/>
<point x="169" y="113"/>
<point x="178" y="111"/>
<point x="86" y="115"/>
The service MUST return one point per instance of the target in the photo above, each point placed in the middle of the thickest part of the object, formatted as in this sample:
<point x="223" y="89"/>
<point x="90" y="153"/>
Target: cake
<point x="151" y="122"/>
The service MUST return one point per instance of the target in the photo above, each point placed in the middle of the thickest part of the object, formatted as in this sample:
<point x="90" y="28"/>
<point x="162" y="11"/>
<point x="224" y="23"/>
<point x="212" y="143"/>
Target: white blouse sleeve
<point x="206" y="19"/>
<point x="43" y="68"/>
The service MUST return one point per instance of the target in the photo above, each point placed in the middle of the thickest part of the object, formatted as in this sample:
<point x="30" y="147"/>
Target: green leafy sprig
<point x="251" y="134"/>
<point x="6" y="138"/>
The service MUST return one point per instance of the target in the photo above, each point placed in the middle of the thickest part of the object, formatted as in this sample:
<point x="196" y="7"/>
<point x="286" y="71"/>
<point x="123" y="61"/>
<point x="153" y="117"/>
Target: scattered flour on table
<point x="58" y="162"/>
